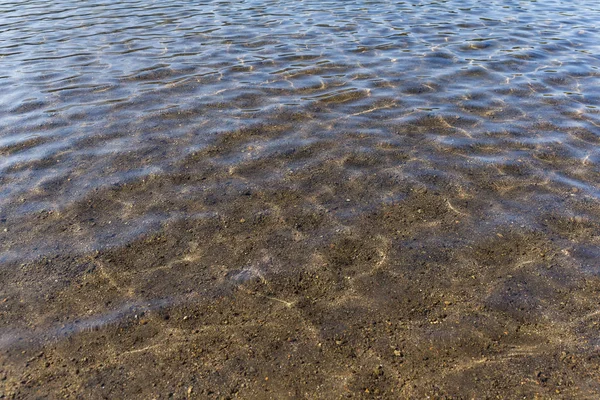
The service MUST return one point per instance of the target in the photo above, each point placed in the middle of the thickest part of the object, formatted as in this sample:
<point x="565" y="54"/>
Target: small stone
<point x="378" y="371"/>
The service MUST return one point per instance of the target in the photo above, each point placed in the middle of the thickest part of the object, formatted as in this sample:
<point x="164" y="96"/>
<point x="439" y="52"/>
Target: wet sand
<point x="313" y="286"/>
<point x="300" y="200"/>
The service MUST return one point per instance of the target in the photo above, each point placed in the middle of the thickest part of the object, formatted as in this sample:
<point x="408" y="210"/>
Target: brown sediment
<point x="290" y="200"/>
<point x="314" y="287"/>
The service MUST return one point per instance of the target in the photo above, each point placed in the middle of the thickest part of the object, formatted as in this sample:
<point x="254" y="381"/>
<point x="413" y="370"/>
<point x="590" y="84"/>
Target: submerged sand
<point x="300" y="200"/>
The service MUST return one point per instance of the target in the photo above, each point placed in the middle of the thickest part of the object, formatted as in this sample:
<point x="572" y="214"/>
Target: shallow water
<point x="328" y="160"/>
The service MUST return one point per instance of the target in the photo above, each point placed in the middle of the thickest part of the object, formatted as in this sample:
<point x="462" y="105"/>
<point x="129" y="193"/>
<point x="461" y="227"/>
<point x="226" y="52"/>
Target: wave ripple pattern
<point x="300" y="199"/>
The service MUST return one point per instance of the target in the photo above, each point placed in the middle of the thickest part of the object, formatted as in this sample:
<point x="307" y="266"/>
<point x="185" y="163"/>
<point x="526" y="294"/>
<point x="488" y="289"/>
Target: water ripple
<point x="122" y="119"/>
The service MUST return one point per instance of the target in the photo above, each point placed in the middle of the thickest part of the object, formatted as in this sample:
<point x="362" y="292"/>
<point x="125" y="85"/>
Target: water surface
<point x="358" y="197"/>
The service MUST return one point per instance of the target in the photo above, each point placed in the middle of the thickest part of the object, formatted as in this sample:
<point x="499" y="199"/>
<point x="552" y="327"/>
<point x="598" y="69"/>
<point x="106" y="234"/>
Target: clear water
<point x="121" y="120"/>
<point x="102" y="93"/>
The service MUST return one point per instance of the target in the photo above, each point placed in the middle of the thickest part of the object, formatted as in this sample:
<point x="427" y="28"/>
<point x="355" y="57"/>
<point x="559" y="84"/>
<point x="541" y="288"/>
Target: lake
<point x="305" y="199"/>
